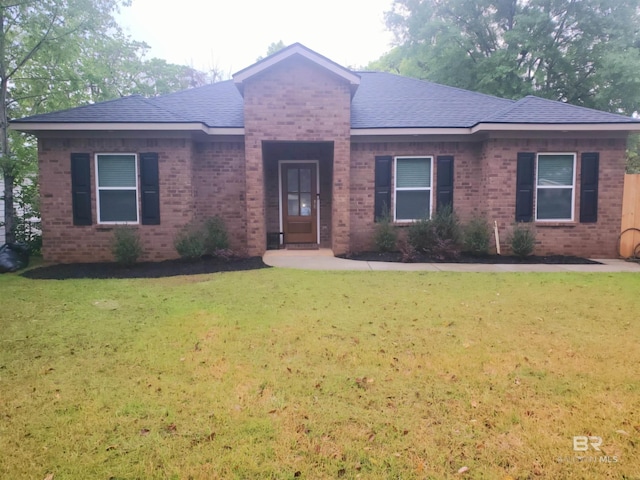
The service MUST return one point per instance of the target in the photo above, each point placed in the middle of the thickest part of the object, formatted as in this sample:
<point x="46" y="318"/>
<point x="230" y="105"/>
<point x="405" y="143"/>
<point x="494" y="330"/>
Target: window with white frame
<point x="412" y="188"/>
<point x="555" y="186"/>
<point x="117" y="186"/>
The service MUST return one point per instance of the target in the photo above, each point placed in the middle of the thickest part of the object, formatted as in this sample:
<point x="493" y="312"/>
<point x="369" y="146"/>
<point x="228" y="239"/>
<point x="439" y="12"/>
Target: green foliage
<point x="190" y="241"/>
<point x="633" y="153"/>
<point x="477" y="236"/>
<point x="522" y="239"/>
<point x="197" y="239"/>
<point x="216" y="237"/>
<point x="439" y="236"/>
<point x="126" y="246"/>
<point x="274" y="47"/>
<point x="385" y="236"/>
<point x="584" y="52"/>
<point x="27" y="225"/>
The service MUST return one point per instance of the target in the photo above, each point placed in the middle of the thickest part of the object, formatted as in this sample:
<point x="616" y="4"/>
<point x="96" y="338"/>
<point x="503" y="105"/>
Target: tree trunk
<point x="9" y="234"/>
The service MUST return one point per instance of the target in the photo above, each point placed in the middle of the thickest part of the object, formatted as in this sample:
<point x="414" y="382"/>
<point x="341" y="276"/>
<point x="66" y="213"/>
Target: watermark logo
<point x="582" y="443"/>
<point x="587" y="448"/>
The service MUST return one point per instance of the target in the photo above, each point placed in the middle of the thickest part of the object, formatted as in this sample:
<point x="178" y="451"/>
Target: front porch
<point x="298" y="194"/>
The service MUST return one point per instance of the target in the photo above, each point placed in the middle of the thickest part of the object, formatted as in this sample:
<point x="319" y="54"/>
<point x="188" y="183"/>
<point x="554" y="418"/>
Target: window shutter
<point x="444" y="182"/>
<point x="524" y="186"/>
<point x="382" y="202"/>
<point x="81" y="188"/>
<point x="150" y="189"/>
<point x="589" y="187"/>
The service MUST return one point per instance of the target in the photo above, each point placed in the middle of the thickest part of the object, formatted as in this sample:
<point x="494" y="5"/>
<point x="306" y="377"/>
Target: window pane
<point x="554" y="203"/>
<point x="305" y="204"/>
<point x="292" y="204"/>
<point x="116" y="171"/>
<point x="413" y="173"/>
<point x="412" y="205"/>
<point x="292" y="179"/>
<point x="555" y="170"/>
<point x="305" y="179"/>
<point x="118" y="206"/>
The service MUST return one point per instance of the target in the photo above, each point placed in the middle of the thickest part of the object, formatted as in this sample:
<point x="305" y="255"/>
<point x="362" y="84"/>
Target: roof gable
<point x="292" y="51"/>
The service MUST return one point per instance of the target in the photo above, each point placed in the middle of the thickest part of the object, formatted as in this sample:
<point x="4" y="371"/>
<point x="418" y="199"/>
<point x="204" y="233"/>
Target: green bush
<point x="385" y="236"/>
<point x="421" y="235"/>
<point x="477" y="236"/>
<point x="126" y="246"/>
<point x="438" y="237"/>
<point x="447" y="225"/>
<point x="522" y="239"/>
<point x="208" y="238"/>
<point x="216" y="237"/>
<point x="190" y="241"/>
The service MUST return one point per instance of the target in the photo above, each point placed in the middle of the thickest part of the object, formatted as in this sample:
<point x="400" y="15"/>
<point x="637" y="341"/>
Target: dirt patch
<point x="466" y="258"/>
<point x="167" y="268"/>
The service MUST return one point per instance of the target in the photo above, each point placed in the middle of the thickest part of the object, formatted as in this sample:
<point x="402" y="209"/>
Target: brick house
<point x="298" y="149"/>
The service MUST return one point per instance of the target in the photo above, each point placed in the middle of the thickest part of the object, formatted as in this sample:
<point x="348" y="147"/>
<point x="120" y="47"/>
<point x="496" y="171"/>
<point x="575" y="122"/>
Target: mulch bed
<point x="465" y="258"/>
<point x="167" y="268"/>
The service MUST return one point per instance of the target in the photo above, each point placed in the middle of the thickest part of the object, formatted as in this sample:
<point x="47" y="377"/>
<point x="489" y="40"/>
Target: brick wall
<point x="568" y="238"/>
<point x="219" y="187"/>
<point x="466" y="169"/>
<point x="484" y="175"/>
<point x="296" y="101"/>
<point x="64" y="243"/>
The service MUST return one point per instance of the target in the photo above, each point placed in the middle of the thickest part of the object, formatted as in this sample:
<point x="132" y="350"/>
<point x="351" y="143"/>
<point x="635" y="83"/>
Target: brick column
<point x="340" y="215"/>
<point x="254" y="177"/>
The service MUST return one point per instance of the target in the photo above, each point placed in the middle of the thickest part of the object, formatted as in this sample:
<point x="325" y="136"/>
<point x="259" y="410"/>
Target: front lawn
<point x="296" y="374"/>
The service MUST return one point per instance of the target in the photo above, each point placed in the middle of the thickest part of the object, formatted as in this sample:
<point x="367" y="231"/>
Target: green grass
<point x="285" y="374"/>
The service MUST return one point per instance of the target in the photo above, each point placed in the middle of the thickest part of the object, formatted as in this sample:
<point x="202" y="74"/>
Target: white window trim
<point x="413" y="189"/>
<point x="99" y="188"/>
<point x="573" y="188"/>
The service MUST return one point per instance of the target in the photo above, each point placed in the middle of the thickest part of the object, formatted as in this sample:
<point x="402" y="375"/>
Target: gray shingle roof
<point x="537" y="110"/>
<point x="383" y="100"/>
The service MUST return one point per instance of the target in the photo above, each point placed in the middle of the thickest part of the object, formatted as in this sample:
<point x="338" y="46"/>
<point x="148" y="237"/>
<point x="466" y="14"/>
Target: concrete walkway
<point x="323" y="259"/>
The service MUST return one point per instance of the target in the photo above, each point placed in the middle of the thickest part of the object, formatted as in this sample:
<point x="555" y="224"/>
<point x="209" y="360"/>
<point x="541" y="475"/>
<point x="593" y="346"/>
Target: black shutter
<point x="444" y="182"/>
<point x="81" y="188"/>
<point x="589" y="187"/>
<point x="150" y="189"/>
<point x="524" y="186"/>
<point x="382" y="202"/>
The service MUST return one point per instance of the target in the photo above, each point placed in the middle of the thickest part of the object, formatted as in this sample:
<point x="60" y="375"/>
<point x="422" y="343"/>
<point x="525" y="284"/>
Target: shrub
<point x="126" y="246"/>
<point x="447" y="225"/>
<point x="190" y="241"/>
<point x="477" y="236"/>
<point x="385" y="236"/>
<point x="208" y="238"/>
<point x="522" y="239"/>
<point x="421" y="235"/>
<point x="438" y="237"/>
<point x="409" y="254"/>
<point x="215" y="235"/>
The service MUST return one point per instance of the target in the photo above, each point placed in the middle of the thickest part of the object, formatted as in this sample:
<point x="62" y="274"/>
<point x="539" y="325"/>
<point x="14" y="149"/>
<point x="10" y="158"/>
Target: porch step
<point x="302" y="246"/>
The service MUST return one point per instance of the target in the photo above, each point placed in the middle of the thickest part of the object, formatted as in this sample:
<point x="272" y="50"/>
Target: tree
<point x="273" y="47"/>
<point x="585" y="52"/>
<point x="57" y="54"/>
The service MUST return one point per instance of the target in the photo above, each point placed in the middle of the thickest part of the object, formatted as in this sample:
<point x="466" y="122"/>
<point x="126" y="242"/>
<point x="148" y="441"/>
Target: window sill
<point x="569" y="224"/>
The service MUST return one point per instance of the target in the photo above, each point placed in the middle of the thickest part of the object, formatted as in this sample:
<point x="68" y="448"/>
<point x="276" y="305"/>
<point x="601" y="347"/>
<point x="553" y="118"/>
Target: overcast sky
<point x="231" y="34"/>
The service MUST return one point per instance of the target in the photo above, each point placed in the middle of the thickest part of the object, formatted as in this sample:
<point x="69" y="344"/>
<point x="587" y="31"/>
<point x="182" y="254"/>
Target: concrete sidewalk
<point x="323" y="259"/>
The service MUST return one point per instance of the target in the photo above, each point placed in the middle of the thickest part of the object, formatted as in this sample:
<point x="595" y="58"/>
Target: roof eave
<point x="563" y="127"/>
<point x="34" y="127"/>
